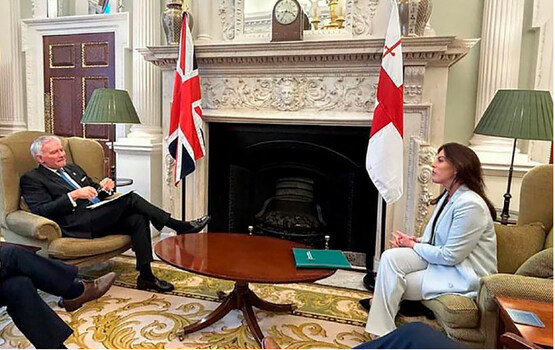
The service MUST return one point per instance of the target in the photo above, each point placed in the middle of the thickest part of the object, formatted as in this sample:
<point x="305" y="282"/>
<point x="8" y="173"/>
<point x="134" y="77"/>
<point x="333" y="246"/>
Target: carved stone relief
<point x="362" y="14"/>
<point x="169" y="179"/>
<point x="414" y="80"/>
<point x="227" y="16"/>
<point x="315" y="92"/>
<point x="421" y="155"/>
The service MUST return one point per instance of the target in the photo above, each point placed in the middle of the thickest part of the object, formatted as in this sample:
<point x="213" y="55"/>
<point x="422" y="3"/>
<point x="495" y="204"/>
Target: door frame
<point x="33" y="31"/>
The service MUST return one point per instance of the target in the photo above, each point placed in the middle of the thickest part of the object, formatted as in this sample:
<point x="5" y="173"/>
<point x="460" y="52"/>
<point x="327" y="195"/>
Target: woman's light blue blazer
<point x="465" y="246"/>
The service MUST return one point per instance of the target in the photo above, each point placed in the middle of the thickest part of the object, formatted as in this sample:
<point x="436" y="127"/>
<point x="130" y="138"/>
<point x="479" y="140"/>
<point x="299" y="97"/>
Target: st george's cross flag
<point x="186" y="137"/>
<point x="384" y="157"/>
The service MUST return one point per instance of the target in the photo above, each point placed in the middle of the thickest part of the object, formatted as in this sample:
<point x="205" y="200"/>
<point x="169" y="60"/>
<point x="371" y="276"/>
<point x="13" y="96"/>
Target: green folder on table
<point x="320" y="258"/>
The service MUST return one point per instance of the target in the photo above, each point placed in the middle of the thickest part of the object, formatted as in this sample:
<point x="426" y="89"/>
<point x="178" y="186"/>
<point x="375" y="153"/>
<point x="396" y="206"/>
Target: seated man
<point x="22" y="272"/>
<point x="62" y="192"/>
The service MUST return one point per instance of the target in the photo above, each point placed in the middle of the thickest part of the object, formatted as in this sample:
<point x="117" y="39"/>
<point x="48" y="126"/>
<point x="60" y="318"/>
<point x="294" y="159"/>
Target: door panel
<point x="90" y="84"/>
<point x="60" y="87"/>
<point x="76" y="65"/>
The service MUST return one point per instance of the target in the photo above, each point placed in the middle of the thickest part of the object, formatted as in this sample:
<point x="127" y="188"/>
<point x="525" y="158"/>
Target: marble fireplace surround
<point x="315" y="83"/>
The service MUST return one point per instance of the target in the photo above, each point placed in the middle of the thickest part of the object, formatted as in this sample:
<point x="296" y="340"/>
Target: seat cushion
<point x="455" y="311"/>
<point x="515" y="244"/>
<point x="72" y="248"/>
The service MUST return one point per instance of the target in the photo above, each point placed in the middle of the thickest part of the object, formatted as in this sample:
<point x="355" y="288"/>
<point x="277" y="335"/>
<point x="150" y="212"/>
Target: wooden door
<point x="74" y="66"/>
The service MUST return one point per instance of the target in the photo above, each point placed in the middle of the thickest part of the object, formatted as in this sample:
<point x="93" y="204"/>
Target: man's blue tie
<point x="67" y="179"/>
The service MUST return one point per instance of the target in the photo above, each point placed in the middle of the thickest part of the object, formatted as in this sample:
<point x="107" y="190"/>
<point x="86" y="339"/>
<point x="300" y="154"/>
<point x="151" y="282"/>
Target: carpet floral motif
<point x="326" y="317"/>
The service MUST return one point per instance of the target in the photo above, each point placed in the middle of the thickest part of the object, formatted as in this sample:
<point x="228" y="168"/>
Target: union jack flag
<point x="186" y="137"/>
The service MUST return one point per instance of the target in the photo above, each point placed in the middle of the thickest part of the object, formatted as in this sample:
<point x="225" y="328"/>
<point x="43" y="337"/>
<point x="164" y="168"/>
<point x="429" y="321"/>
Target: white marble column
<point x="203" y="20"/>
<point x="139" y="155"/>
<point x="500" y="53"/>
<point x="542" y="24"/>
<point x="12" y="115"/>
<point x="499" y="66"/>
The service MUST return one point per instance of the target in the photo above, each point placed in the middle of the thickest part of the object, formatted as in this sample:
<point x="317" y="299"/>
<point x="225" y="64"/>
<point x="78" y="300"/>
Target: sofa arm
<point x="33" y="226"/>
<point x="540" y="289"/>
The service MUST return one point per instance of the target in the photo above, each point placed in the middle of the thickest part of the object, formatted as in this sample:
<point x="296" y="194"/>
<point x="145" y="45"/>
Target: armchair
<point x="525" y="259"/>
<point x="19" y="225"/>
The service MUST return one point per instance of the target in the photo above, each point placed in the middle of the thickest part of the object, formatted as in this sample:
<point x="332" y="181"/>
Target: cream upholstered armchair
<point x="525" y="265"/>
<point x="19" y="225"/>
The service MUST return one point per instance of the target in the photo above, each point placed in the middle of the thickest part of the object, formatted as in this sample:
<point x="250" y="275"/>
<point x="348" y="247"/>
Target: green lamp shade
<point x="519" y="114"/>
<point x="110" y="106"/>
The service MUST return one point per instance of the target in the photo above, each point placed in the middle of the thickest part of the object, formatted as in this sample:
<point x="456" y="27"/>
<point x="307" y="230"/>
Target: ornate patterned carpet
<point x="326" y="317"/>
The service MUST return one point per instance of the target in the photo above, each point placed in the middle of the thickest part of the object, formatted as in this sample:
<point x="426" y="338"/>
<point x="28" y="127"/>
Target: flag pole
<point x="384" y="156"/>
<point x="183" y="200"/>
<point x="369" y="279"/>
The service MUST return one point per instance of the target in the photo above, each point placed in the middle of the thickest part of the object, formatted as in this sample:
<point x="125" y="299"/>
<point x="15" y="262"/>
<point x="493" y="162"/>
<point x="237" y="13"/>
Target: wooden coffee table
<point x="241" y="258"/>
<point x="542" y="336"/>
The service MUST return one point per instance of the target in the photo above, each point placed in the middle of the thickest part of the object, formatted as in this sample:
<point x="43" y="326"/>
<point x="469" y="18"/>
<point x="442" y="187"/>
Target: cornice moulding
<point x="428" y="51"/>
<point x="77" y="21"/>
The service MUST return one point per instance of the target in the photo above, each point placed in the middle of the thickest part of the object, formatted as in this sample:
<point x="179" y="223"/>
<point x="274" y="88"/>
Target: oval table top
<point x="237" y="257"/>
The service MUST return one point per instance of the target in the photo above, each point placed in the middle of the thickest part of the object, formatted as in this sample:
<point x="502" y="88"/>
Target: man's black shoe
<point x="157" y="285"/>
<point x="368" y="281"/>
<point x="196" y="225"/>
<point x="365" y="303"/>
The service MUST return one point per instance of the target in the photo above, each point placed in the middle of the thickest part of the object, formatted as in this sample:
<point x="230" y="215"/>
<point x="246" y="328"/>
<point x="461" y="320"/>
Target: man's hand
<point x="83" y="193"/>
<point x="107" y="184"/>
<point x="401" y="239"/>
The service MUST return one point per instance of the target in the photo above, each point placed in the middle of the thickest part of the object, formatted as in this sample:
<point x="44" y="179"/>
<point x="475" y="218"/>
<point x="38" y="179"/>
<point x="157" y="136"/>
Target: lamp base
<point x="506" y="222"/>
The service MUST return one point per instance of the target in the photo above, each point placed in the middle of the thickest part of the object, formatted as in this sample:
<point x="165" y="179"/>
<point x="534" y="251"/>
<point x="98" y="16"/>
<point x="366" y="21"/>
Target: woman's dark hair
<point x="468" y="171"/>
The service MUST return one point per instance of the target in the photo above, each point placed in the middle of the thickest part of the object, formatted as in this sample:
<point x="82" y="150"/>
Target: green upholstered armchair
<point x="525" y="265"/>
<point x="19" y="225"/>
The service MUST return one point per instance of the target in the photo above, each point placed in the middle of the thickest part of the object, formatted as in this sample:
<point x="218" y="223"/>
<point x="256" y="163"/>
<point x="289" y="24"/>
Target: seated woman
<point x="457" y="249"/>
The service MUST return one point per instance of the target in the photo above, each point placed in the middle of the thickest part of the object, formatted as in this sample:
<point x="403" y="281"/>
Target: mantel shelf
<point x="421" y="51"/>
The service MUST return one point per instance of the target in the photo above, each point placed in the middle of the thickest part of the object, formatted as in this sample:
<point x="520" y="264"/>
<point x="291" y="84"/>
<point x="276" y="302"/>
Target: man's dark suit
<point x="414" y="335"/>
<point x="21" y="273"/>
<point x="46" y="194"/>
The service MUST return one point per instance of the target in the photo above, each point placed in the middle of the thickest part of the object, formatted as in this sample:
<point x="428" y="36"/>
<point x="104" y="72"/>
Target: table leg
<point x="268" y="306"/>
<point x="252" y="322"/>
<point x="240" y="298"/>
<point x="225" y="307"/>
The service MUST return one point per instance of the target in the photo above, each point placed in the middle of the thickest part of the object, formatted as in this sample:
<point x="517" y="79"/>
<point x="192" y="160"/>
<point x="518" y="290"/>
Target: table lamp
<point x="110" y="106"/>
<point x="517" y="114"/>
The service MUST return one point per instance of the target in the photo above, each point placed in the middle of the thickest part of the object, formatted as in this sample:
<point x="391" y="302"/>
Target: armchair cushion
<point x="515" y="244"/>
<point x="72" y="248"/>
<point x="455" y="311"/>
<point x="538" y="265"/>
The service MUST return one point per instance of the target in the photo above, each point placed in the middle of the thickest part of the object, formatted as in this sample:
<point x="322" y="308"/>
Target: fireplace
<point x="297" y="182"/>
<point x="292" y="213"/>
<point x="334" y="85"/>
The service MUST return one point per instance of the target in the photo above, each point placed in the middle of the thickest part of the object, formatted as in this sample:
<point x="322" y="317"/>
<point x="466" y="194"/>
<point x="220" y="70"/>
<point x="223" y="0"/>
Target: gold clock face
<point x="286" y="11"/>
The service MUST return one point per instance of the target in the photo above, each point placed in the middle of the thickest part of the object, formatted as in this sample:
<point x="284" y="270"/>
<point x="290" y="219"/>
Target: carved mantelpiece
<point x="428" y="51"/>
<point x="319" y="83"/>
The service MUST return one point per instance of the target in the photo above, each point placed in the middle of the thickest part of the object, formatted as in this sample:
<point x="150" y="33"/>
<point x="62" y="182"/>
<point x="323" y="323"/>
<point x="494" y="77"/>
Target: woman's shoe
<point x="365" y="303"/>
